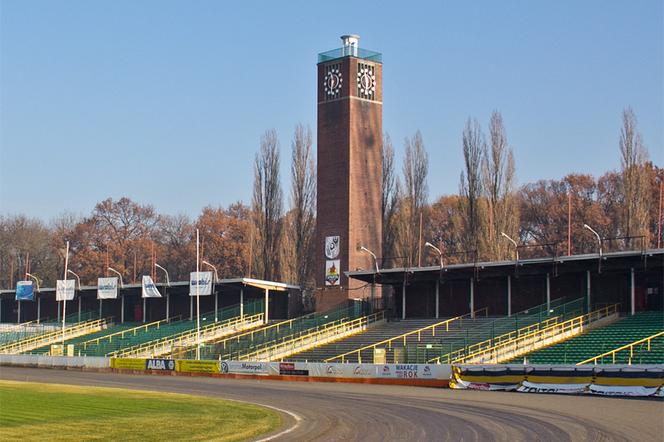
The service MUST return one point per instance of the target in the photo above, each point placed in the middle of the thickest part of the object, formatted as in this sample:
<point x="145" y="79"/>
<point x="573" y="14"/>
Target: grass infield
<point x="33" y="411"/>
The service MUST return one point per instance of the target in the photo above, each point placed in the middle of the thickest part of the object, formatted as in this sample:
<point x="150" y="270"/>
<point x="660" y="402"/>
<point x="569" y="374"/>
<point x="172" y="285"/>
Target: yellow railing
<point x="263" y="330"/>
<point x="173" y="341"/>
<point x="560" y="328"/>
<point x="490" y="343"/>
<point x="133" y="331"/>
<point x="404" y="337"/>
<point x="629" y="347"/>
<point x="44" y="339"/>
<point x="324" y="330"/>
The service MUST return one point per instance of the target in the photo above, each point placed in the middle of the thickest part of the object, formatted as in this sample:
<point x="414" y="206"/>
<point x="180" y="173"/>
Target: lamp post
<point x="29" y="275"/>
<point x="168" y="284"/>
<point x="216" y="297"/>
<point x="440" y="255"/>
<point x="79" y="293"/>
<point x="437" y="250"/>
<point x="599" y="238"/>
<point x="516" y="246"/>
<point x="373" y="285"/>
<point x="64" y="300"/>
<point x="111" y="269"/>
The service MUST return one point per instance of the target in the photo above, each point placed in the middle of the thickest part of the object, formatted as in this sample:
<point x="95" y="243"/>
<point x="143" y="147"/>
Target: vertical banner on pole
<point x="149" y="289"/>
<point x="200" y="283"/>
<point x="65" y="289"/>
<point x="107" y="288"/>
<point x="25" y="291"/>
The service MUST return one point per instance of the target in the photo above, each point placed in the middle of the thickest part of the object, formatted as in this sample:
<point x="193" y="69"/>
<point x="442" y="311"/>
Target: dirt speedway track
<point x="358" y="412"/>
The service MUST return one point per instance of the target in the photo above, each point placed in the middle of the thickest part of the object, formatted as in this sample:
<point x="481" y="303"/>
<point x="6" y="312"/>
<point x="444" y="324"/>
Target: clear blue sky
<point x="165" y="102"/>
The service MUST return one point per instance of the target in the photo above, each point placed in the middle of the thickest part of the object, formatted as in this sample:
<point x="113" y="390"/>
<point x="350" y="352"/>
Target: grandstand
<point x="597" y="341"/>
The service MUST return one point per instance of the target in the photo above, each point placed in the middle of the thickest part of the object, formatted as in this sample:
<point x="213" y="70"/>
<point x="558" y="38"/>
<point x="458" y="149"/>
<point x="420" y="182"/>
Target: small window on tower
<point x="366" y="81"/>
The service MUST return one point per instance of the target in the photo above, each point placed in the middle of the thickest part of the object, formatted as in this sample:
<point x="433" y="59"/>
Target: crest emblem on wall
<point x="332" y="246"/>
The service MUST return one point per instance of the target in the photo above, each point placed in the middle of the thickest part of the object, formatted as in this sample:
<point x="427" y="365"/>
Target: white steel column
<point x="242" y="303"/>
<point x="18" y="319"/>
<point x="144" y="308"/>
<point x="403" y="301"/>
<point x="191" y="307"/>
<point x="168" y="305"/>
<point x="79" y="306"/>
<point x="57" y="304"/>
<point x="39" y="308"/>
<point x="472" y="298"/>
<point x="437" y="298"/>
<point x="122" y="307"/>
<point x="216" y="306"/>
<point x="548" y="292"/>
<point x="509" y="295"/>
<point x="267" y="309"/>
<point x="632" y="291"/>
<point x="100" y="309"/>
<point x="588" y="288"/>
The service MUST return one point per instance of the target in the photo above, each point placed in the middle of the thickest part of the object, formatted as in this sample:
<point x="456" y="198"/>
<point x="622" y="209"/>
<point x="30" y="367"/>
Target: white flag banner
<point x="65" y="289"/>
<point x="107" y="288"/>
<point x="202" y="280"/>
<point x="149" y="289"/>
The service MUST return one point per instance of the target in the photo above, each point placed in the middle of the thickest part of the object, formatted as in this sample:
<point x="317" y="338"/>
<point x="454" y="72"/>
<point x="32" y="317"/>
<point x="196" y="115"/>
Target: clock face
<point x="366" y="81"/>
<point x="332" y="82"/>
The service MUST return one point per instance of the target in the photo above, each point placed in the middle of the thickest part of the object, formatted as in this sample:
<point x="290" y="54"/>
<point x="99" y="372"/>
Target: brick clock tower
<point x="350" y="128"/>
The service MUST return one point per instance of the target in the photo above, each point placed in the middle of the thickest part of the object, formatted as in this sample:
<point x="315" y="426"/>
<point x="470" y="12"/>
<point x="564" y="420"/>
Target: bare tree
<point x="391" y="189"/>
<point x="474" y="145"/>
<point x="301" y="224"/>
<point x="634" y="177"/>
<point x="414" y="198"/>
<point x="267" y="207"/>
<point x="498" y="188"/>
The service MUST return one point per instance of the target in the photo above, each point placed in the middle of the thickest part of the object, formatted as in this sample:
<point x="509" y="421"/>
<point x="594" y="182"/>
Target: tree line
<point x="265" y="240"/>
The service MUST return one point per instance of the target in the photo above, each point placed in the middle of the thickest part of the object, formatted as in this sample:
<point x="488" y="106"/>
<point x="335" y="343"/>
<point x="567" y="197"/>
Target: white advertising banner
<point x="65" y="289"/>
<point x="107" y="288"/>
<point x="622" y="390"/>
<point x="242" y="367"/>
<point x="149" y="290"/>
<point x="202" y="280"/>
<point x="531" y="387"/>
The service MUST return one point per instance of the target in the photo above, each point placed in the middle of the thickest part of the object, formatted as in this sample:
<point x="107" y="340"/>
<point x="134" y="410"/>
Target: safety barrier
<point x="630" y="347"/>
<point x="537" y="339"/>
<point x="165" y="346"/>
<point x="608" y="381"/>
<point x="42" y="340"/>
<point x="311" y="338"/>
<point x="404" y="337"/>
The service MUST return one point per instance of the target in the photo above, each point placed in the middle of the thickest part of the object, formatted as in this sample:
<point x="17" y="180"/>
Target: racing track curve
<point x="358" y="412"/>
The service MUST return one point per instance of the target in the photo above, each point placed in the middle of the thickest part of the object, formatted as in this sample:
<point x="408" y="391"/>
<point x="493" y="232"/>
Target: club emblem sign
<point x="332" y="272"/>
<point x="332" y="244"/>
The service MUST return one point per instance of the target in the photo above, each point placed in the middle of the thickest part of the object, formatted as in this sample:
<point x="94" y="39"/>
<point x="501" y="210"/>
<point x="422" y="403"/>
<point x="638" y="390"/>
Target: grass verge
<point x="34" y="411"/>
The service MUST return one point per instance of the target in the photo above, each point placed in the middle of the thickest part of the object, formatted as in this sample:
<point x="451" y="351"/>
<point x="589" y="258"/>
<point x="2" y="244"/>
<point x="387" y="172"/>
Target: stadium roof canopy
<point x="614" y="261"/>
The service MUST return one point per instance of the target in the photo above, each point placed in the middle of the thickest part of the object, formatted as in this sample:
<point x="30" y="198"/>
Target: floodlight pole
<point x="64" y="299"/>
<point x="440" y="255"/>
<point x="198" y="298"/>
<point x="216" y="297"/>
<point x="79" y="293"/>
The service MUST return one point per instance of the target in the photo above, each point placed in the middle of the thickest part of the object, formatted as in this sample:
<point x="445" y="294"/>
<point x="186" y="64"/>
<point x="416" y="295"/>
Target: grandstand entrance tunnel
<point x="284" y="301"/>
<point x="635" y="280"/>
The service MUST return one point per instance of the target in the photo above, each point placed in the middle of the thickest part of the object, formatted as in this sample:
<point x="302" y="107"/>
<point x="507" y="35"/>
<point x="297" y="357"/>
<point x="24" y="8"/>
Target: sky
<point x="165" y="101"/>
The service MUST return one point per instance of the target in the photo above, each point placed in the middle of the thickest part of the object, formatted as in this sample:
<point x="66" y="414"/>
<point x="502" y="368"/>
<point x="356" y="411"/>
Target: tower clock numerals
<point x="366" y="81"/>
<point x="332" y="82"/>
